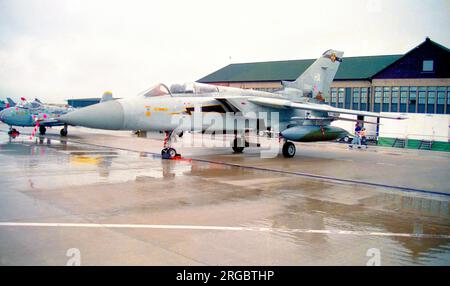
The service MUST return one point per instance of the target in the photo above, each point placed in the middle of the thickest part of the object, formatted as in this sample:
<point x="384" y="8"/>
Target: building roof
<point x="352" y="68"/>
<point x="425" y="48"/>
<point x="85" y="99"/>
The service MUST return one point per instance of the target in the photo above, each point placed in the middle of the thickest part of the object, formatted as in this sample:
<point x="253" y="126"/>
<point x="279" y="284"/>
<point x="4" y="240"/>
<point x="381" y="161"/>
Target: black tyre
<point x="42" y="130"/>
<point x="13" y="132"/>
<point x="237" y="146"/>
<point x="289" y="150"/>
<point x="172" y="153"/>
<point x="63" y="132"/>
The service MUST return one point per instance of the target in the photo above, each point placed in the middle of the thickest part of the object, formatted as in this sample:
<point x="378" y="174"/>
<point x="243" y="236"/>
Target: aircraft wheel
<point x="63" y="132"/>
<point x="289" y="150"/>
<point x="42" y="130"/>
<point x="168" y="153"/>
<point x="13" y="133"/>
<point x="172" y="153"/>
<point x="235" y="146"/>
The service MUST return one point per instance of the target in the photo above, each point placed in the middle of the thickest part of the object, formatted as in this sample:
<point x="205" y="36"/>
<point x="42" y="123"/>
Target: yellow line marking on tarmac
<point x="223" y="228"/>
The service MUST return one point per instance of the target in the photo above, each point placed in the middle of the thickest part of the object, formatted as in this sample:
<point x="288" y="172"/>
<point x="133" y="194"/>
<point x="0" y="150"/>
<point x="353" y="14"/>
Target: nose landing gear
<point x="168" y="152"/>
<point x="13" y="133"/>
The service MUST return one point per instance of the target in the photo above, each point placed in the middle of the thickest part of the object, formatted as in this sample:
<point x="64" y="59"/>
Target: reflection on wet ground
<point x="49" y="180"/>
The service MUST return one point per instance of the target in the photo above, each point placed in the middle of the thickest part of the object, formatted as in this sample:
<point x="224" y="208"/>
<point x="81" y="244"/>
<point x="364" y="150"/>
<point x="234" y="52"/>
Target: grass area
<point x="414" y="144"/>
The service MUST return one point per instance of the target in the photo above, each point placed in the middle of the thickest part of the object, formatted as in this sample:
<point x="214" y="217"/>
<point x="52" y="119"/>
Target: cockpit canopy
<point x="29" y="105"/>
<point x="179" y="89"/>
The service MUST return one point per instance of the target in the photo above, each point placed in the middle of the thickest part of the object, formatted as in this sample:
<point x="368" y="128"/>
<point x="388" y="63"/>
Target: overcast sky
<point x="59" y="49"/>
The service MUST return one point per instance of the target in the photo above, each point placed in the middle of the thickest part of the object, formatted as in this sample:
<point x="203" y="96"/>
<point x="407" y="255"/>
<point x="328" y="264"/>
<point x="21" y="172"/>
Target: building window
<point x="386" y="91"/>
<point x="448" y="95"/>
<point x="412" y="95"/>
<point x="432" y="95"/>
<point x="422" y="94"/>
<point x="404" y="94"/>
<point x="428" y="66"/>
<point x="364" y="92"/>
<point x="441" y="95"/>
<point x="356" y="95"/>
<point x="395" y="91"/>
<point x="377" y="98"/>
<point x="333" y="95"/>
<point x="341" y="95"/>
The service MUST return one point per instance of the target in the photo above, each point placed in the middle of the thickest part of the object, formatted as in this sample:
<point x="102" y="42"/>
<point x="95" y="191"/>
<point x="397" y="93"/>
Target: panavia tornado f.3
<point x="297" y="112"/>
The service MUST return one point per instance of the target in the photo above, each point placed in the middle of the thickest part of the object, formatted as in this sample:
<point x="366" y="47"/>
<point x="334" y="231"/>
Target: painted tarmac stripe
<point x="222" y="228"/>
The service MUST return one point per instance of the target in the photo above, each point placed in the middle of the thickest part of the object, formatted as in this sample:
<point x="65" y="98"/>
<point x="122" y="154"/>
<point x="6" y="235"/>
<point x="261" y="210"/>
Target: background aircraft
<point x="33" y="114"/>
<point x="37" y="114"/>
<point x="7" y="104"/>
<point x="297" y="111"/>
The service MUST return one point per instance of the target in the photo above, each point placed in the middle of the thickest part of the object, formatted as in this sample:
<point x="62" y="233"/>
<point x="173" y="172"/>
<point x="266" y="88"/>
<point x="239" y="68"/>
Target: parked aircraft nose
<point x="106" y="115"/>
<point x="4" y="114"/>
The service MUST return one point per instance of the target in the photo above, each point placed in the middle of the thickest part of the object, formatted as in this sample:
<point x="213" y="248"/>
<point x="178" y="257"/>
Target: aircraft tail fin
<point x="107" y="96"/>
<point x="11" y="102"/>
<point x="316" y="80"/>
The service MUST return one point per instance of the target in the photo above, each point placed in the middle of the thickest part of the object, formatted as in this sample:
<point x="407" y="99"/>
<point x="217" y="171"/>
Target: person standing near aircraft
<point x="357" y="139"/>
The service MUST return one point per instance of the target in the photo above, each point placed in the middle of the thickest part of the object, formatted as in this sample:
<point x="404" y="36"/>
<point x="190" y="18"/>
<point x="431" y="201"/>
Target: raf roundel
<point x="333" y="57"/>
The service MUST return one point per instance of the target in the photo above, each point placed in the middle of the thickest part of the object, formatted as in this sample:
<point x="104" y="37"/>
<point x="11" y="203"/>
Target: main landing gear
<point x="42" y="130"/>
<point x="63" y="131"/>
<point x="238" y="145"/>
<point x="169" y="152"/>
<point x="288" y="149"/>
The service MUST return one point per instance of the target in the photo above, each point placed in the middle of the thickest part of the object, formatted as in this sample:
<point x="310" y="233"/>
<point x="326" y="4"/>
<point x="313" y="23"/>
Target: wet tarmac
<point x="111" y="196"/>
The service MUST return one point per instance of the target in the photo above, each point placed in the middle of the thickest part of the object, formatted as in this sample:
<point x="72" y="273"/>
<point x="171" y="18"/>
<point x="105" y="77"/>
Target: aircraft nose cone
<point x="106" y="115"/>
<point x="4" y="115"/>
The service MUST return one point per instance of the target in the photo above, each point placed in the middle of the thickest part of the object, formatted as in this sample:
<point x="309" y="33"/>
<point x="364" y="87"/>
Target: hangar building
<point x="82" y="102"/>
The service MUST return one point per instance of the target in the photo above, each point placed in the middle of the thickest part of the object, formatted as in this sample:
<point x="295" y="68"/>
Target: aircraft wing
<point x="285" y="104"/>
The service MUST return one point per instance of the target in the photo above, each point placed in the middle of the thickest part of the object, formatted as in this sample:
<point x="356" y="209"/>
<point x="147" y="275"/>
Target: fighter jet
<point x="297" y="112"/>
<point x="33" y="114"/>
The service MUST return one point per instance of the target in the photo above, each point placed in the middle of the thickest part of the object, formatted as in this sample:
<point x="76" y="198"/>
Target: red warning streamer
<point x="35" y="130"/>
